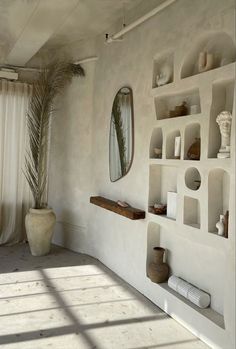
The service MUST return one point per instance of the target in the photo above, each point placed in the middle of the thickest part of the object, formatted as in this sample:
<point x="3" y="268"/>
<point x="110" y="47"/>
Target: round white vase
<point x="39" y="224"/>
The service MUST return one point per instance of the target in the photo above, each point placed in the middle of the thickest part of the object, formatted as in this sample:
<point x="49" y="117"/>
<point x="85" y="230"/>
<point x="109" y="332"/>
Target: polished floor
<point x="68" y="300"/>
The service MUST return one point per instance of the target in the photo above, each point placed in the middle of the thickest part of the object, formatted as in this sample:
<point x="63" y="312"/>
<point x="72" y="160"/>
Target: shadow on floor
<point x="69" y="300"/>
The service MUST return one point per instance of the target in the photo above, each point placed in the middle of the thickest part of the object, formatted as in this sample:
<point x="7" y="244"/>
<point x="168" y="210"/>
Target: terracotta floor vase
<point x="158" y="271"/>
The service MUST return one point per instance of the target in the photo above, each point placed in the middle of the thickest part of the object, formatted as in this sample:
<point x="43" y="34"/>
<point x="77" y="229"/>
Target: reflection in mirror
<point x="121" y="134"/>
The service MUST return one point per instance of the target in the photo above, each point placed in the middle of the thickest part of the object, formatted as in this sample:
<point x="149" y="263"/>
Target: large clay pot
<point x="158" y="271"/>
<point x="39" y="225"/>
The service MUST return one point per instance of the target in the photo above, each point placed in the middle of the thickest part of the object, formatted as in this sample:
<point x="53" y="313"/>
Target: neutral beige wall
<point x="80" y="168"/>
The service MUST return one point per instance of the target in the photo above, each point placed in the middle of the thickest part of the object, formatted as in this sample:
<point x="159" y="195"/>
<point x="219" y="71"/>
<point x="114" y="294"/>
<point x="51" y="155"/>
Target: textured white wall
<point x="80" y="168"/>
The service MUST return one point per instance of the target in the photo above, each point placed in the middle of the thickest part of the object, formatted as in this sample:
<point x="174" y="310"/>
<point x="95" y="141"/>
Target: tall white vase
<point x="39" y="224"/>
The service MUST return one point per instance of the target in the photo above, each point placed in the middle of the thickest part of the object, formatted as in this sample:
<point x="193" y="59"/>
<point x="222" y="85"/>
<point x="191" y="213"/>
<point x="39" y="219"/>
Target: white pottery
<point x="187" y="290"/>
<point x="171" y="204"/>
<point x="165" y="75"/>
<point x="177" y="146"/>
<point x="194" y="109"/>
<point x="205" y="62"/>
<point x="39" y="225"/>
<point x="220" y="225"/>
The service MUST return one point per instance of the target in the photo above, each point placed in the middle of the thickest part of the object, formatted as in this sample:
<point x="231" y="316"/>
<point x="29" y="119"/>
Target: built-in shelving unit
<point x="203" y="184"/>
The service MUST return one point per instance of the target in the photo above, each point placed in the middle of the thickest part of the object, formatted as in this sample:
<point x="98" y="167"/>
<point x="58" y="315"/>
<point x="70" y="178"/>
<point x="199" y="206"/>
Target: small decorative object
<point x="224" y="120"/>
<point x="158" y="152"/>
<point x="122" y="203"/>
<point x="177" y="147"/>
<point x="194" y="109"/>
<point x="205" y="62"/>
<point x="172" y="114"/>
<point x="187" y="290"/>
<point x="226" y="224"/>
<point x="181" y="110"/>
<point x="171" y="204"/>
<point x="159" y="209"/>
<point x="220" y="225"/>
<point x="194" y="150"/>
<point x="198" y="184"/>
<point x="165" y="75"/>
<point x="158" y="271"/>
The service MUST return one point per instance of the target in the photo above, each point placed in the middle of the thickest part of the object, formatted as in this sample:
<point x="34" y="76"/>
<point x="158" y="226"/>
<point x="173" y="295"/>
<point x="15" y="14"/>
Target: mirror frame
<point x="132" y="119"/>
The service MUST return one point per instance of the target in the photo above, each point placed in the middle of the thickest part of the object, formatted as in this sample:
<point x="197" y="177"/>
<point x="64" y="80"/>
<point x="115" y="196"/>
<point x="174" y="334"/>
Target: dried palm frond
<point x="50" y="83"/>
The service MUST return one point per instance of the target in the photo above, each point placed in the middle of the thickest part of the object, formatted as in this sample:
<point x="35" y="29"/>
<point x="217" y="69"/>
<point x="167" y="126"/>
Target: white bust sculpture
<point x="224" y="120"/>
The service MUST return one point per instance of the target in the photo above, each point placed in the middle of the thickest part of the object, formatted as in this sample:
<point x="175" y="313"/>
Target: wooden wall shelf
<point x="128" y="212"/>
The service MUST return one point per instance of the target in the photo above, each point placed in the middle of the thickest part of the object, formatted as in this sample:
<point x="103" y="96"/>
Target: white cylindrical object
<point x="194" y="109"/>
<point x="177" y="146"/>
<point x="139" y="21"/>
<point x="187" y="290"/>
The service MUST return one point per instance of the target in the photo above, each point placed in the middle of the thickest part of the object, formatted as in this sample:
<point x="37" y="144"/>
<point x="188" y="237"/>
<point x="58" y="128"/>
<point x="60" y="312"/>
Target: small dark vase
<point x="194" y="150"/>
<point x="157" y="270"/>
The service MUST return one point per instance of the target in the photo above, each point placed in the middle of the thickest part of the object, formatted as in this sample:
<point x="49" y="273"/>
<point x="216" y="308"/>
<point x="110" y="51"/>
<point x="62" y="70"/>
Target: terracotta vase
<point x="158" y="271"/>
<point x="194" y="150"/>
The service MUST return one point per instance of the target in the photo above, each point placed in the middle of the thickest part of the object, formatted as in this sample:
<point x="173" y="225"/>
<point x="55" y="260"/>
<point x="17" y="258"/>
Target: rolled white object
<point x="192" y="293"/>
<point x="177" y="146"/>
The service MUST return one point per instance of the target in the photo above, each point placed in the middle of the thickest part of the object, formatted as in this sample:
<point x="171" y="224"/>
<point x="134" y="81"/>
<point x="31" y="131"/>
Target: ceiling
<point x="30" y="26"/>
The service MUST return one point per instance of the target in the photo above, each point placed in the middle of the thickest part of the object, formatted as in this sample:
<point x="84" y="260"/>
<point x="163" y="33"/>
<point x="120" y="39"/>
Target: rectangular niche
<point x="222" y="100"/>
<point x="162" y="179"/>
<point x="191" y="212"/>
<point x="218" y="197"/>
<point x="163" y="65"/>
<point x="166" y="104"/>
<point x="153" y="240"/>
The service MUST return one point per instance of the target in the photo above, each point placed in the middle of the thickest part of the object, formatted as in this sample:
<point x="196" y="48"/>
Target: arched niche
<point x="173" y="145"/>
<point x="218" y="196"/>
<point x="191" y="135"/>
<point x="155" y="150"/>
<point x="219" y="44"/>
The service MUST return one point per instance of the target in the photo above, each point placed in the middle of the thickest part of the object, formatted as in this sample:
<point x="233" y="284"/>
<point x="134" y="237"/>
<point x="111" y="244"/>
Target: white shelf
<point x="190" y="233"/>
<point x="208" y="313"/>
<point x="203" y="163"/>
<point x="222" y="73"/>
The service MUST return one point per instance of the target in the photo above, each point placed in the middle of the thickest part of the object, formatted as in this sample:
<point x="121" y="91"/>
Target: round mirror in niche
<point x="121" y="140"/>
<point x="192" y="178"/>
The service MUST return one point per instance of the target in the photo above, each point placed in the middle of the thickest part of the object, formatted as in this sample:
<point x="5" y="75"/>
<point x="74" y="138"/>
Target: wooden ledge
<point x="128" y="212"/>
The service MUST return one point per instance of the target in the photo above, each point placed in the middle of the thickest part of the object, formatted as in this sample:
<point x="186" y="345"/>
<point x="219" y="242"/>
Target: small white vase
<point x="220" y="225"/>
<point x="205" y="62"/>
<point x="39" y="224"/>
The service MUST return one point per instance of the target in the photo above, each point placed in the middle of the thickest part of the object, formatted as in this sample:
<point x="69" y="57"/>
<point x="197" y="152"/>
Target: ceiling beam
<point x="45" y="20"/>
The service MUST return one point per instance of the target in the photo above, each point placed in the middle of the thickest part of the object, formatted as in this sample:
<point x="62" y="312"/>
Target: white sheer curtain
<point x="14" y="191"/>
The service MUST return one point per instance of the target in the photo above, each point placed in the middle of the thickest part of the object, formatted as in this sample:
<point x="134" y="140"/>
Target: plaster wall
<point x="80" y="168"/>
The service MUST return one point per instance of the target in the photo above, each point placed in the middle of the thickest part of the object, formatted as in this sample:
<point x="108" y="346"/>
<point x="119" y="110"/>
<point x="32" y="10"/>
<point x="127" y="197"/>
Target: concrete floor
<point x="68" y="300"/>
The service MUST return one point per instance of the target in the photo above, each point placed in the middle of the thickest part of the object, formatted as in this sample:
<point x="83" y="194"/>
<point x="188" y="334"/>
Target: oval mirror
<point x="121" y="142"/>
